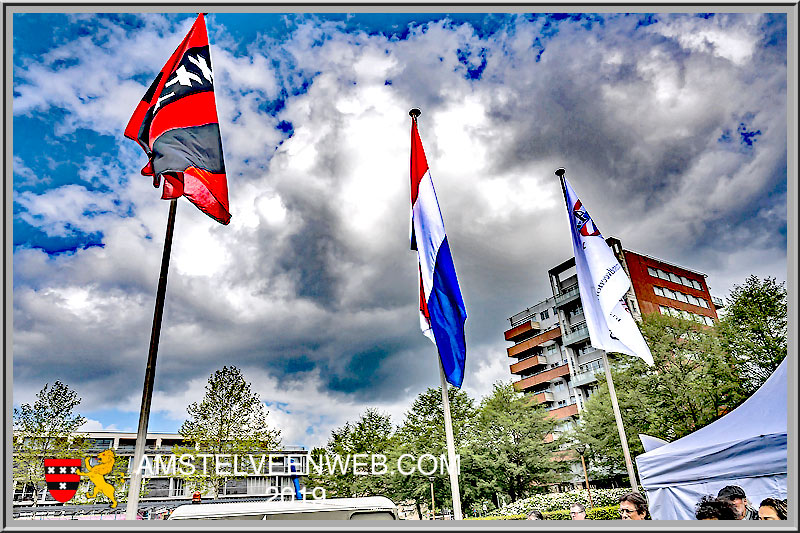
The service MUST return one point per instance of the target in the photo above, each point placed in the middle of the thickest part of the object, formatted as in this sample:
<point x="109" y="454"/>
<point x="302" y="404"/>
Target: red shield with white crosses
<point x="62" y="478"/>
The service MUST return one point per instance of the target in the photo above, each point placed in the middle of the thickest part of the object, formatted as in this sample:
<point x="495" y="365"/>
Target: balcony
<point x="584" y="378"/>
<point x="568" y="295"/>
<point x="541" y="377"/>
<point x="563" y="412"/>
<point x="522" y="331"/>
<point x="525" y="364"/>
<point x="526" y="346"/>
<point x="577" y="334"/>
<point x="544" y="397"/>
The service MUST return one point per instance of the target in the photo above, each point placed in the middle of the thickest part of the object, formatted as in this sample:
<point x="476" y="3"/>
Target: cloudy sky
<point x="672" y="128"/>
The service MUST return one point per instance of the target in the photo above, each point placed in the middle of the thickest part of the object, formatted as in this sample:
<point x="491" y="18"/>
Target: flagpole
<point x="611" y="390"/>
<point x="132" y="506"/>
<point x="452" y="469"/>
<point x="618" y="417"/>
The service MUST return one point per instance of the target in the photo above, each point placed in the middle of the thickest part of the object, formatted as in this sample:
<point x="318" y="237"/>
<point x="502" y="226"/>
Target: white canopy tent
<point x="746" y="447"/>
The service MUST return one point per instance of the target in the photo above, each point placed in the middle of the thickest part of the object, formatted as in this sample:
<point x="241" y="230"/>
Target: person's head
<point x="633" y="506"/>
<point x="772" y="509"/>
<point x="711" y="508"/>
<point x="734" y="494"/>
<point x="577" y="512"/>
<point x="535" y="515"/>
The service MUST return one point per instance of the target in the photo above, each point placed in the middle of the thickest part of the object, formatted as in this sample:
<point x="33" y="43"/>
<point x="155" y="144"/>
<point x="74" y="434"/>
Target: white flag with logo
<point x="602" y="284"/>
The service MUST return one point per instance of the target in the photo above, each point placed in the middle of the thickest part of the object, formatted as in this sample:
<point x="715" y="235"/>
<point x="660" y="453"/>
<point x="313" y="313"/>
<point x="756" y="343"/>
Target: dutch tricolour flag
<point x="442" y="311"/>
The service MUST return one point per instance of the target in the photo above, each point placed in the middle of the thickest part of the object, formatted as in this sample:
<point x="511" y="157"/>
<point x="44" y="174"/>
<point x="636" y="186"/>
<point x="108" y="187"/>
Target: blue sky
<point x="672" y="128"/>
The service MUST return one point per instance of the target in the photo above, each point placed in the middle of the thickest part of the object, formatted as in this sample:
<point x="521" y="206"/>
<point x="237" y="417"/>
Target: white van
<point x="370" y="508"/>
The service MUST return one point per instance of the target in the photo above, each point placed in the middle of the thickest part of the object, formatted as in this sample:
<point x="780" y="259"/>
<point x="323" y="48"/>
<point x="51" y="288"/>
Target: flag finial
<point x="560" y="172"/>
<point x="414" y="113"/>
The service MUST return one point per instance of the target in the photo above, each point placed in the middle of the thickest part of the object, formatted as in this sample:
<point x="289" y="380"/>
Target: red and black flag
<point x="176" y="124"/>
<point x="62" y="478"/>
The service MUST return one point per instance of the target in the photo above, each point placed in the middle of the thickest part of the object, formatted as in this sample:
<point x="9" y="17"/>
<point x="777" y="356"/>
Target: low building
<point x="274" y="478"/>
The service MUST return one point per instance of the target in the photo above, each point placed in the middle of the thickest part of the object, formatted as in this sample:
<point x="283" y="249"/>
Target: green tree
<point x="693" y="382"/>
<point x="422" y="432"/>
<point x="512" y="449"/>
<point x="45" y="430"/>
<point x="754" y="328"/>
<point x="370" y="435"/>
<point x="231" y="419"/>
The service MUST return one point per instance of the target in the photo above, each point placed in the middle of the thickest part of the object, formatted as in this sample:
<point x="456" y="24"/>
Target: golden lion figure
<point x="97" y="473"/>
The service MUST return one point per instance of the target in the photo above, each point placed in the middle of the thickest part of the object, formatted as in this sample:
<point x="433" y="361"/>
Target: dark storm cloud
<point x="310" y="255"/>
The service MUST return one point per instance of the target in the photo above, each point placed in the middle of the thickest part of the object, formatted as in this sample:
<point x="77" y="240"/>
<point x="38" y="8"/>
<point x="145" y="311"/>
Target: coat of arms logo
<point x="62" y="478"/>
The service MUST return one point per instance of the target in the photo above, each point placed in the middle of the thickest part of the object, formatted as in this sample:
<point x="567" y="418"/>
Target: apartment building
<point x="275" y="479"/>
<point x="556" y="363"/>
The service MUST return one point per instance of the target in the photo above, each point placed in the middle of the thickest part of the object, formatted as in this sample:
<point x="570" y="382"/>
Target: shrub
<point x="556" y="515"/>
<point x="562" y="501"/>
<point x="610" y="512"/>
<point x="502" y="517"/>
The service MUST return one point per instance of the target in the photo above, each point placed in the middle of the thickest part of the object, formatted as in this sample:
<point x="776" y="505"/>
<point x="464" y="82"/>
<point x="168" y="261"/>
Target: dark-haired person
<point x="772" y="509"/>
<point x="577" y="512"/>
<point x="633" y="506"/>
<point x="711" y="508"/>
<point x="735" y="494"/>
<point x="535" y="515"/>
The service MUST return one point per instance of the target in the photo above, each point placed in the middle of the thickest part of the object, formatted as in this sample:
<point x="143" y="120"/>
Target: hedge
<point x="562" y="500"/>
<point x="503" y="517"/>
<point x="609" y="512"/>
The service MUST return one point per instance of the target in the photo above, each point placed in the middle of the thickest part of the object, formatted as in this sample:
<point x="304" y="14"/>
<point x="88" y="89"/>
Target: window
<point x="552" y="348"/>
<point x="652" y="271"/>
<point x="663" y="275"/>
<point x="708" y="320"/>
<point x="586" y="348"/>
<point x="256" y="485"/>
<point x="544" y="314"/>
<point x="235" y="486"/>
<point x="562" y="403"/>
<point x="682" y="297"/>
<point x="558" y="386"/>
<point x="177" y="487"/>
<point x="158" y="487"/>
<point x="697" y="285"/>
<point x="674" y="277"/>
<point x="23" y="491"/>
